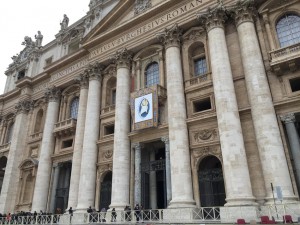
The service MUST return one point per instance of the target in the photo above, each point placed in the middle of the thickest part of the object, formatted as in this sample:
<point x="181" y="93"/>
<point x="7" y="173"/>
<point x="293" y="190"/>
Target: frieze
<point x="147" y="27"/>
<point x="205" y="135"/>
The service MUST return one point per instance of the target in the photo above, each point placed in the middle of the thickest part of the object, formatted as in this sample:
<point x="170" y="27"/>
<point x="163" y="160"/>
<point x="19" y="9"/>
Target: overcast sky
<point x="24" y="18"/>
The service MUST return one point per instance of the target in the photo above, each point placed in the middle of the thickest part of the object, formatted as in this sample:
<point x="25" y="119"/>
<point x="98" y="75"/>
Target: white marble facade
<point x="228" y="91"/>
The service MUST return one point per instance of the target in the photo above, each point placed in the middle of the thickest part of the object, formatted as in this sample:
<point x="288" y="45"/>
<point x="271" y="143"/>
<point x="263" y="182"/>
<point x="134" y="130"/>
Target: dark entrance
<point x="157" y="168"/>
<point x="105" y="193"/>
<point x="63" y="186"/>
<point x="211" y="182"/>
<point x="3" y="161"/>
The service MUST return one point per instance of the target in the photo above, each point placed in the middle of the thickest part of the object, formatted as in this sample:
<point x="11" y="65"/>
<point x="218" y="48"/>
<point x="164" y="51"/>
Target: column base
<point x="174" y="204"/>
<point x="286" y="200"/>
<point x="231" y="214"/>
<point x="246" y="201"/>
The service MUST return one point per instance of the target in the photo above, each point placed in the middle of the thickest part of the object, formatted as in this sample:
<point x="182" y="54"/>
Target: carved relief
<point x="104" y="168"/>
<point x="82" y="80"/>
<point x="201" y="153"/>
<point x="205" y="135"/>
<point x="141" y="6"/>
<point x="94" y="71"/>
<point x="108" y="154"/>
<point x="288" y="118"/>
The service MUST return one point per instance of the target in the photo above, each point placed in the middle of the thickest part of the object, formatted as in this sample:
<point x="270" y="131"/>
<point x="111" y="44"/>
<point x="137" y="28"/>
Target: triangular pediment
<point x="125" y="15"/>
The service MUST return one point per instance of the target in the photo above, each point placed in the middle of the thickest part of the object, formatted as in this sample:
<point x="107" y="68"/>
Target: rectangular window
<point x="67" y="143"/>
<point x="201" y="105"/>
<point x="109" y="129"/>
<point x="295" y="84"/>
<point x="113" y="97"/>
<point x="200" y="67"/>
<point x="48" y="61"/>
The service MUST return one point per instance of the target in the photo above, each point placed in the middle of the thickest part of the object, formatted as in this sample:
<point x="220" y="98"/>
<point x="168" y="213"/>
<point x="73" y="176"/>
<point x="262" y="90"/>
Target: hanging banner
<point x="144" y="108"/>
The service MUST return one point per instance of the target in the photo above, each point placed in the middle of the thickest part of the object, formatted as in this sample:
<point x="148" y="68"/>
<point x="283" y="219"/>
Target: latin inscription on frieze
<point x="148" y="27"/>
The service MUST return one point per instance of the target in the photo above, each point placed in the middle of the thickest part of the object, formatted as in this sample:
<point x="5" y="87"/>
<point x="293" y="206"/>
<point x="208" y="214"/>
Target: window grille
<point x="74" y="108"/>
<point x="152" y="74"/>
<point x="200" y="66"/>
<point x="288" y="30"/>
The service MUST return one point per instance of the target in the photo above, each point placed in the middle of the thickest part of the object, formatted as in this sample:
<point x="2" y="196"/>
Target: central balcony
<point x="65" y="128"/>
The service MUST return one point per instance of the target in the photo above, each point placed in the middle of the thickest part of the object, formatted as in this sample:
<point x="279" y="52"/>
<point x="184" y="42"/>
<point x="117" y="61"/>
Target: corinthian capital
<point x="171" y="36"/>
<point x="213" y="18"/>
<point x="52" y="94"/>
<point x="243" y="11"/>
<point x="23" y="106"/>
<point x="288" y="118"/>
<point x="82" y="80"/>
<point x="94" y="71"/>
<point x="122" y="58"/>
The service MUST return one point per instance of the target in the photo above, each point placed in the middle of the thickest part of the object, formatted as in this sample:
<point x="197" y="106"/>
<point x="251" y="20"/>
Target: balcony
<point x="35" y="137"/>
<point x="198" y="81"/>
<point x="108" y="109"/>
<point x="4" y="147"/>
<point x="287" y="58"/>
<point x="65" y="128"/>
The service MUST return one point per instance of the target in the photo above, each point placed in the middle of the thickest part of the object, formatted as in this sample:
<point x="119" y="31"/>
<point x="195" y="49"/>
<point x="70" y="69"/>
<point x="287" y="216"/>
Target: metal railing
<point x="182" y="215"/>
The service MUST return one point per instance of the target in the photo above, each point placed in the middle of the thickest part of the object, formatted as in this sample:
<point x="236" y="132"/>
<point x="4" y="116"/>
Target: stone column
<point x="3" y="132"/>
<point x="168" y="168"/>
<point x="289" y="121"/>
<point x="271" y="150"/>
<point x="88" y="170"/>
<point x="41" y="189"/>
<point x="137" y="175"/>
<point x="12" y="171"/>
<point x="235" y="166"/>
<point x="55" y="172"/>
<point x="78" y="144"/>
<point x="182" y="195"/>
<point x="121" y="156"/>
<point x="152" y="184"/>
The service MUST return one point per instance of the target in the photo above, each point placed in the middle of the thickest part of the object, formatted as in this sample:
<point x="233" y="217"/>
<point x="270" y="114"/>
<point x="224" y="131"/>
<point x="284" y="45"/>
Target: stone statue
<point x="92" y="3"/>
<point x="64" y="23"/>
<point x="39" y="39"/>
<point x="28" y="42"/>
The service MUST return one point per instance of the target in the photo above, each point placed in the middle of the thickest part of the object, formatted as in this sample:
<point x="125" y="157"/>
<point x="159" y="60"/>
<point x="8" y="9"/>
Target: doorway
<point x="211" y="182"/>
<point x="105" y="191"/>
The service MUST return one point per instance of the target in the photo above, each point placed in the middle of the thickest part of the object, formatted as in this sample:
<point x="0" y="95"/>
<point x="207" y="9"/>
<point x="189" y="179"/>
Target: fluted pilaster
<point x="137" y="175"/>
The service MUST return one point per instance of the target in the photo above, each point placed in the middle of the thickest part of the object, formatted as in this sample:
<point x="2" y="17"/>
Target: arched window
<point x="38" y="121"/>
<point x="288" y="30"/>
<point x="9" y="133"/>
<point x="152" y="74"/>
<point x="200" y="66"/>
<point x="74" y="108"/>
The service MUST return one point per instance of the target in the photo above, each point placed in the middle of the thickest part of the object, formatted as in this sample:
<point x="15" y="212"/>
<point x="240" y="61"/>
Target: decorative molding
<point x="201" y="153"/>
<point x="24" y="106"/>
<point x="122" y="58"/>
<point x="205" y="135"/>
<point x="53" y="94"/>
<point x="170" y="37"/>
<point x="288" y="118"/>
